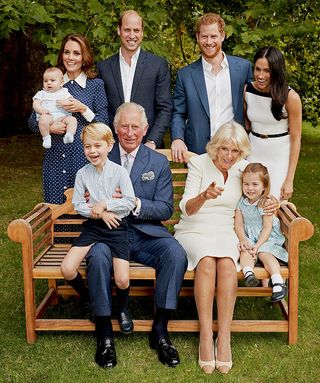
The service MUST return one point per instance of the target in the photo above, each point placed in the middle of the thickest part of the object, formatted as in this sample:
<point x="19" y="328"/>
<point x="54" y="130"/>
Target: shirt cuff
<point x="136" y="210"/>
<point x="88" y="114"/>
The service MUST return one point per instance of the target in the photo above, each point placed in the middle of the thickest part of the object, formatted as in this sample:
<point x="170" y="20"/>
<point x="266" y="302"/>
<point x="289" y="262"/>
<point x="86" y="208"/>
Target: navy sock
<point x="103" y="327"/>
<point x="123" y="299"/>
<point x="78" y="284"/>
<point x="160" y="322"/>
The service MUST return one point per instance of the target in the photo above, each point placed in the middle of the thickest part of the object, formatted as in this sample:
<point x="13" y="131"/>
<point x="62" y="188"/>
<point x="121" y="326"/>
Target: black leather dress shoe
<point x="106" y="353"/>
<point x="167" y="353"/>
<point x="125" y="322"/>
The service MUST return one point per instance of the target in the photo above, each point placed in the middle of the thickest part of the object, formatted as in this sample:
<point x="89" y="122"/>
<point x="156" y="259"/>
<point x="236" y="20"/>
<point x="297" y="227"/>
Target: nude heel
<point x="223" y="367"/>
<point x="211" y="364"/>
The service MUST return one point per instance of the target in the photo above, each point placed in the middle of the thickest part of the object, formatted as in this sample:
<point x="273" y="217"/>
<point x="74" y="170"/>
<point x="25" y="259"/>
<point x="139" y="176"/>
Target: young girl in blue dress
<point x="259" y="234"/>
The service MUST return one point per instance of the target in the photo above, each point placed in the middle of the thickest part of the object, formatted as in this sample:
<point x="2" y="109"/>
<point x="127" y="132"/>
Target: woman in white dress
<point x="274" y="116"/>
<point x="206" y="231"/>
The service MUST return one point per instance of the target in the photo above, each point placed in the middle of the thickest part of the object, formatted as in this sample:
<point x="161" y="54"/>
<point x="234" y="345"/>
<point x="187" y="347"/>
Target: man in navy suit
<point x="149" y="241"/>
<point x="138" y="76"/>
<point x="208" y="92"/>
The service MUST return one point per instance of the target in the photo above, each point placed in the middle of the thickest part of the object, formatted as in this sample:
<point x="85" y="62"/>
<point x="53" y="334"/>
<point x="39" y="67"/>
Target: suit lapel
<point x="115" y="68"/>
<point x="235" y="80"/>
<point x="200" y="84"/>
<point x="139" y="164"/>
<point x="114" y="155"/>
<point x="141" y="63"/>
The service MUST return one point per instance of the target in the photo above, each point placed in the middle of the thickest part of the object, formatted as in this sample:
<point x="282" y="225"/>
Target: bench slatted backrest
<point x="179" y="174"/>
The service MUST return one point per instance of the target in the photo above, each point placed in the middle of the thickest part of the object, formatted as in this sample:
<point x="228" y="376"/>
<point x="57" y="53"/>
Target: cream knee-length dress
<point x="210" y="232"/>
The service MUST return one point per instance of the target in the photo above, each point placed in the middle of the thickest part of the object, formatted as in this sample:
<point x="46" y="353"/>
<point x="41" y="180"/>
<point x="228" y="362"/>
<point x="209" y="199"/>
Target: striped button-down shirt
<point x="101" y="187"/>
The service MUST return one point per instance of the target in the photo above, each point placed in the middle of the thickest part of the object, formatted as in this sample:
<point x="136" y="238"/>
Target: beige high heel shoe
<point x="223" y="367"/>
<point x="207" y="366"/>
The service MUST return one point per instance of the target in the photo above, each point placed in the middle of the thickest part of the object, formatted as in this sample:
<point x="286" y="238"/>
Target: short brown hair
<point x="87" y="57"/>
<point x="210" y="18"/>
<point x="128" y="12"/>
<point x="257" y="167"/>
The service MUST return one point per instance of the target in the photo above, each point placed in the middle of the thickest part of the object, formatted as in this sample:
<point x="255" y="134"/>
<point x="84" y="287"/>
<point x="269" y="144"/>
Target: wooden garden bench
<point x="43" y="251"/>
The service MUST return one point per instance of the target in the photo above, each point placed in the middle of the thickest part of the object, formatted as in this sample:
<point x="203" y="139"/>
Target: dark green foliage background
<point x="31" y="33"/>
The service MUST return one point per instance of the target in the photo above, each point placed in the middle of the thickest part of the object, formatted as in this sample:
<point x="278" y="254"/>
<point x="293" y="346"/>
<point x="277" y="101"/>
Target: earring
<point x="83" y="64"/>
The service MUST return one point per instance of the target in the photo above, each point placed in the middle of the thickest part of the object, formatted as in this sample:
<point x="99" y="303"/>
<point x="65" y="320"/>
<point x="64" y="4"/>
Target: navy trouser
<point x="165" y="255"/>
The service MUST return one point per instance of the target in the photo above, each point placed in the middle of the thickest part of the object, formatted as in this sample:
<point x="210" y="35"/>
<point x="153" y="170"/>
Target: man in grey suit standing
<point x="150" y="243"/>
<point x="208" y="92"/>
<point x="138" y="76"/>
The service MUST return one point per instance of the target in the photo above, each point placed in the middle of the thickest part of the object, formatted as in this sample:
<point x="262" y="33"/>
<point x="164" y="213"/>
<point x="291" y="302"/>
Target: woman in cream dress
<point x="206" y="231"/>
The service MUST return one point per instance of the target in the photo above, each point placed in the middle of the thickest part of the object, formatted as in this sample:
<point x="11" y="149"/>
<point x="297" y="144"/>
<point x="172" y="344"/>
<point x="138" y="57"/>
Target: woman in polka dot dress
<point x="61" y="161"/>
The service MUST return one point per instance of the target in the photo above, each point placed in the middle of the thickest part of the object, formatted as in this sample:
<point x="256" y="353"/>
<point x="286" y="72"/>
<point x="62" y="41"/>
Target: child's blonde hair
<point x="98" y="131"/>
<point x="257" y="167"/>
<point x="53" y="69"/>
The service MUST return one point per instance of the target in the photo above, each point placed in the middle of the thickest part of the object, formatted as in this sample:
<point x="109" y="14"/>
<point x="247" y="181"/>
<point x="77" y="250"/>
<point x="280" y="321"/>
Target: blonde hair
<point x="229" y="131"/>
<point x="210" y="18"/>
<point x="53" y="69"/>
<point x="126" y="106"/>
<point x="98" y="131"/>
<point x="257" y="167"/>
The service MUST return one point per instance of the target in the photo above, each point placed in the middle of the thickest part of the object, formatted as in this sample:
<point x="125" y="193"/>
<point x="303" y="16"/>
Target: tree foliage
<point x="292" y="26"/>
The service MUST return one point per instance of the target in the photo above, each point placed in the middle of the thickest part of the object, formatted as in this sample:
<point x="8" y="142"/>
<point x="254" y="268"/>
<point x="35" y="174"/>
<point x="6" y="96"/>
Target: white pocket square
<point x="148" y="176"/>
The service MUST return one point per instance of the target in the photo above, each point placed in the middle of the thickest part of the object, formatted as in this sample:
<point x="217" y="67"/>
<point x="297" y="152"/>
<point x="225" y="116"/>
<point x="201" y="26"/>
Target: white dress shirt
<point x="82" y="81"/>
<point x="127" y="73"/>
<point x="219" y="94"/>
<point x="101" y="187"/>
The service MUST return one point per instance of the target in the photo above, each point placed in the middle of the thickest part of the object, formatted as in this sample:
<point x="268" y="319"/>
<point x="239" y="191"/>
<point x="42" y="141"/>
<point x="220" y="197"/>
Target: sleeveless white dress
<point x="210" y="232"/>
<point x="272" y="152"/>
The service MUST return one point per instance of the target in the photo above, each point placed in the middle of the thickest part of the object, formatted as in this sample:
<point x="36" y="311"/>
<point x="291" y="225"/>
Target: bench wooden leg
<point x="52" y="284"/>
<point x="30" y="309"/>
<point x="293" y="310"/>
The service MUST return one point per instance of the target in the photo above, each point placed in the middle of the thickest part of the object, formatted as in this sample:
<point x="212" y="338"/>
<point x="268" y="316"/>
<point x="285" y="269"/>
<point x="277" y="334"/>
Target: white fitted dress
<point x="271" y="152"/>
<point x="210" y="232"/>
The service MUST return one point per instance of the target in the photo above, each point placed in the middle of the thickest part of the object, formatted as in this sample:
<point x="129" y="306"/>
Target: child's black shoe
<point x="251" y="280"/>
<point x="279" y="295"/>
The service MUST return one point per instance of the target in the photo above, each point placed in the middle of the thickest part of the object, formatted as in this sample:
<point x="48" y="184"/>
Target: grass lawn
<point x="68" y="357"/>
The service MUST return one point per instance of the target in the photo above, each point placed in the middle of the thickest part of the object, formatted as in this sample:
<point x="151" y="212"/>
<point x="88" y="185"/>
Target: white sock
<point x="68" y="138"/>
<point x="47" y="142"/>
<point x="247" y="270"/>
<point x="276" y="278"/>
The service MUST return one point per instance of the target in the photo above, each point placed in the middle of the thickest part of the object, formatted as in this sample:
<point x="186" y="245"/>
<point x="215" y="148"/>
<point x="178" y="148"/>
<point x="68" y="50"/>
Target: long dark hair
<point x="87" y="56"/>
<point x="278" y="79"/>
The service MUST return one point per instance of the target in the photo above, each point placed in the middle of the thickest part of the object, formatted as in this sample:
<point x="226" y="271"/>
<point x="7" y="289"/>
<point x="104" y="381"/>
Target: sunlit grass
<point x="69" y="357"/>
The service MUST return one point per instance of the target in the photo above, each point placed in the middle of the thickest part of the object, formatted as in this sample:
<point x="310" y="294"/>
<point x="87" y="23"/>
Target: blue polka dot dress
<point x="253" y="224"/>
<point x="62" y="161"/>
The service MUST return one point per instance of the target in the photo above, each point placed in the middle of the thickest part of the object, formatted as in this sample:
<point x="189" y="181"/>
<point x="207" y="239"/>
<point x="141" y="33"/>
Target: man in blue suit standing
<point x="149" y="241"/>
<point x="208" y="92"/>
<point x="138" y="76"/>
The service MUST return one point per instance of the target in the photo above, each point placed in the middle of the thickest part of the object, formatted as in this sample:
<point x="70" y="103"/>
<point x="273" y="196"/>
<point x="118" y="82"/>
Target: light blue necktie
<point x="127" y="164"/>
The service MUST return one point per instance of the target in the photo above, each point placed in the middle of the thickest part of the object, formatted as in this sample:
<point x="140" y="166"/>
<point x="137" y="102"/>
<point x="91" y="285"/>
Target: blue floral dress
<point x="61" y="162"/>
<point x="253" y="224"/>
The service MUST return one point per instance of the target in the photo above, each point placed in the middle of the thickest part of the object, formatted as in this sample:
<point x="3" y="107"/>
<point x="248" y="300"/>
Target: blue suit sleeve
<point x="159" y="206"/>
<point x="163" y="104"/>
<point x="178" y="124"/>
